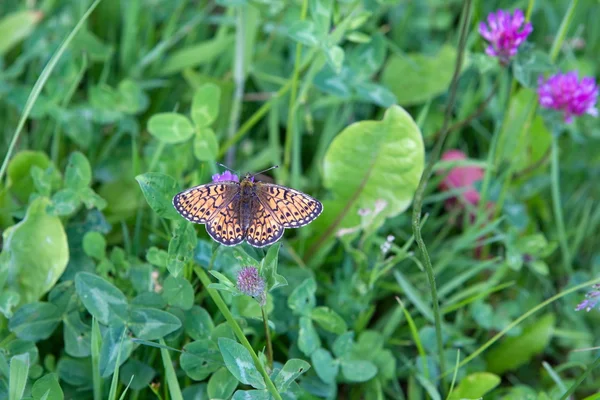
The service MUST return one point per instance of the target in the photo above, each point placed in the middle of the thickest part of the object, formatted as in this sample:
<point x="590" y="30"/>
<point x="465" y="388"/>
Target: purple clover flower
<point x="250" y="282"/>
<point x="591" y="299"/>
<point x="225" y="176"/>
<point x="505" y="33"/>
<point x="566" y="93"/>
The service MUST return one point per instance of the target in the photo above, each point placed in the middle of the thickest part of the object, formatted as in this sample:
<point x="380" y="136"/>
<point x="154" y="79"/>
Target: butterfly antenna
<point x="268" y="169"/>
<point x="227" y="168"/>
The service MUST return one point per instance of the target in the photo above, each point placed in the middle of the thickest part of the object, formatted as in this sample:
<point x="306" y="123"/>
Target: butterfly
<point x="257" y="212"/>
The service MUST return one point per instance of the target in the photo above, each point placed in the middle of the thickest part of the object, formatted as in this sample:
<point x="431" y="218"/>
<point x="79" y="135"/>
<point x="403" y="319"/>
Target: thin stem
<point x="557" y="207"/>
<point x="562" y="30"/>
<point x="39" y="84"/>
<point x="156" y="156"/>
<point x="291" y="130"/>
<point x="580" y="379"/>
<point x="267" y="336"/>
<point x="420" y="193"/>
<point x="239" y="78"/>
<point x="236" y="330"/>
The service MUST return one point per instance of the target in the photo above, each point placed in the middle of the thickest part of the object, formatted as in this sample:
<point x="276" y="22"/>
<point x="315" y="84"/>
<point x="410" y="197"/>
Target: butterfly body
<point x="257" y="212"/>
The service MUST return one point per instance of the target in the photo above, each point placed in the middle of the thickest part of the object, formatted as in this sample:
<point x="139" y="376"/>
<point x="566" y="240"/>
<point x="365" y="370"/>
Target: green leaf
<point x="195" y="55"/>
<point x="329" y="320"/>
<point x="302" y="299"/>
<point x="367" y="58"/>
<point x="35" y="321"/>
<point x="152" y="324"/>
<point x="292" y="369"/>
<point x="138" y="373"/>
<point x="394" y="161"/>
<point x="102" y="299"/>
<point x="200" y="359"/>
<point x="132" y="98"/>
<point x="239" y="362"/>
<point x="76" y="372"/>
<point x="47" y="388"/>
<point x="529" y="64"/>
<point x="181" y="247"/>
<point x="205" y="105"/>
<point x="304" y="32"/>
<point x="94" y="245"/>
<point x="308" y="339"/>
<point x="422" y="77"/>
<point x="116" y="344"/>
<point x="178" y="292"/>
<point x="20" y="180"/>
<point x="335" y="58"/>
<point x="77" y="336"/>
<point x="206" y="147"/>
<point x="19" y="369"/>
<point x="244" y="258"/>
<point x="159" y="189"/>
<point x="17" y="26"/>
<point x="516" y="351"/>
<point x="64" y="202"/>
<point x="198" y="323"/>
<point x="157" y="257"/>
<point x="475" y="386"/>
<point x="9" y="299"/>
<point x="325" y="365"/>
<point x="358" y="370"/>
<point x="78" y="174"/>
<point x="170" y="128"/>
<point x="343" y="344"/>
<point x="35" y="251"/>
<point x="221" y="384"/>
<point x="252" y="395"/>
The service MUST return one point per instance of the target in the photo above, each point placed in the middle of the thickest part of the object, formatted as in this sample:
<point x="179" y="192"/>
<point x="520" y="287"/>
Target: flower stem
<point x="557" y="207"/>
<point x="267" y="336"/>
<point x="562" y="30"/>
<point x="416" y="216"/>
<point x="236" y="330"/>
<point x="580" y="379"/>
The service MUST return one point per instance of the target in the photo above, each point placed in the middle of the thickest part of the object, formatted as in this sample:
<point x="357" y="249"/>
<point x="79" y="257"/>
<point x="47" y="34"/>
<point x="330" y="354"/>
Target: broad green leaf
<point x="335" y="58"/>
<point x="385" y="181"/>
<point x="221" y="384"/>
<point x="200" y="359"/>
<point x="138" y="373"/>
<point x="159" y="189"/>
<point x="198" y="323"/>
<point x="17" y="26"/>
<point x="304" y="32"/>
<point x="308" y="339"/>
<point x="239" y="362"/>
<point x="328" y="320"/>
<point x="9" y="299"/>
<point x="64" y="202"/>
<point x="178" y="292"/>
<point x="77" y="336"/>
<point x="302" y="299"/>
<point x="358" y="370"/>
<point x="35" y="251"/>
<point x="529" y="64"/>
<point x="78" y="174"/>
<point x="42" y="180"/>
<point x="170" y="128"/>
<point x="205" y="105"/>
<point x="19" y="369"/>
<point x="515" y="351"/>
<point x="94" y="245"/>
<point x="152" y="324"/>
<point x="132" y="98"/>
<point x="196" y="55"/>
<point x="157" y="257"/>
<point x="292" y="369"/>
<point x="244" y="258"/>
<point x="367" y="58"/>
<point x="206" y="146"/>
<point x="102" y="299"/>
<point x="325" y="365"/>
<point x="20" y="181"/>
<point x="374" y="93"/>
<point x="343" y="344"/>
<point x="268" y="268"/>
<point x="94" y="47"/>
<point x="76" y="372"/>
<point x="475" y="386"/>
<point x="181" y="247"/>
<point x="47" y="388"/>
<point x="252" y="395"/>
<point x="416" y="78"/>
<point x="35" y="321"/>
<point x="116" y="344"/>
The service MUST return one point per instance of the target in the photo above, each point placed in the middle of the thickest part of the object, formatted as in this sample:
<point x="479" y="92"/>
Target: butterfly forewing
<point x="290" y="207"/>
<point x="201" y="203"/>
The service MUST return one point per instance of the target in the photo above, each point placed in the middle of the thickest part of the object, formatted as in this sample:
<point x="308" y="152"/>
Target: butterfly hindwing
<point x="290" y="207"/>
<point x="201" y="203"/>
<point x="225" y="226"/>
<point x="264" y="229"/>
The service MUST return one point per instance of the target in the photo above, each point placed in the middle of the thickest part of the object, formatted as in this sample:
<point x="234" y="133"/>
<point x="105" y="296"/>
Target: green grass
<point x="397" y="291"/>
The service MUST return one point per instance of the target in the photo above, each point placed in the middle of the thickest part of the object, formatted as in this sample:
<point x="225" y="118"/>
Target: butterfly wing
<point x="201" y="203"/>
<point x="291" y="208"/>
<point x="264" y="229"/>
<point x="225" y="226"/>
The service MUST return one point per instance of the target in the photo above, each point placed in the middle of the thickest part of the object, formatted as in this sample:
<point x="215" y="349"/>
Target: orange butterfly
<point x="257" y="212"/>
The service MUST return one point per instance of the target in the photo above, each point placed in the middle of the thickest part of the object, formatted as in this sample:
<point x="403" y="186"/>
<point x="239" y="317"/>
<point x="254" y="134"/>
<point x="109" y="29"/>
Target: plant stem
<point x="291" y="130"/>
<point x="562" y="30"/>
<point x="236" y="329"/>
<point x="420" y="193"/>
<point x="267" y="336"/>
<point x="557" y="207"/>
<point x="580" y="379"/>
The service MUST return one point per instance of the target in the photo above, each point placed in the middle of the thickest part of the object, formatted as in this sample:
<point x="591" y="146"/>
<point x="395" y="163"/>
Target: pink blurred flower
<point x="461" y="178"/>
<point x="225" y="176"/>
<point x="251" y="283"/>
<point x="505" y="33"/>
<point x="566" y="93"/>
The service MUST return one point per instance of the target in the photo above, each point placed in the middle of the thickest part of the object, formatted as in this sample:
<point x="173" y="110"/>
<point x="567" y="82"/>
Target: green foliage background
<point x="109" y="108"/>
